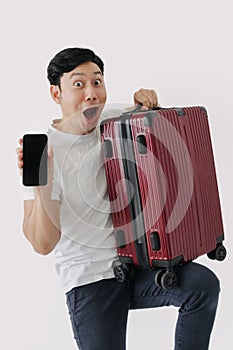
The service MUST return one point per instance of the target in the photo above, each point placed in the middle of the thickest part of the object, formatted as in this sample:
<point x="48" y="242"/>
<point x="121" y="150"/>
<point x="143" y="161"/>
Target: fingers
<point x="146" y="97"/>
<point x="18" y="149"/>
<point x="19" y="152"/>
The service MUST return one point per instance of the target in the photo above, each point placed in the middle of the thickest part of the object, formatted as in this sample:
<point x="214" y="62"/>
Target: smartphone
<point x="35" y="159"/>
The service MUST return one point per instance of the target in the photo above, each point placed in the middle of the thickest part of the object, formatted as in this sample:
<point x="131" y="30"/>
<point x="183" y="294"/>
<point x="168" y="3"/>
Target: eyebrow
<point x="83" y="74"/>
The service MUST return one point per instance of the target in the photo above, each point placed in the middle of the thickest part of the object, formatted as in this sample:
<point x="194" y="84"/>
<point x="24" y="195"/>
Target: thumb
<point x="144" y="108"/>
<point x="50" y="152"/>
<point x="50" y="164"/>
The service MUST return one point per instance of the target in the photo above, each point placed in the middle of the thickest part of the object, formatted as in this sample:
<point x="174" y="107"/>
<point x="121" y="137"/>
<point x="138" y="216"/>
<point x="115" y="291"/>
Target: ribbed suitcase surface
<point x="162" y="186"/>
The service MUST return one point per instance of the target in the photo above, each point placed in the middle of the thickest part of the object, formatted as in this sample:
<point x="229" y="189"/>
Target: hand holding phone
<point x="35" y="159"/>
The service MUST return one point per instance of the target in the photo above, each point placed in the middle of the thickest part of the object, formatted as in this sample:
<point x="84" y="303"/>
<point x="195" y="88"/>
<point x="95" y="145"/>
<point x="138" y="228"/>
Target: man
<point x="71" y="215"/>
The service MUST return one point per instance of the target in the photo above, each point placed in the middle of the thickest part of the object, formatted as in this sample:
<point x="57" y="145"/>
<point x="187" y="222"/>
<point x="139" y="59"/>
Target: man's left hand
<point x="146" y="97"/>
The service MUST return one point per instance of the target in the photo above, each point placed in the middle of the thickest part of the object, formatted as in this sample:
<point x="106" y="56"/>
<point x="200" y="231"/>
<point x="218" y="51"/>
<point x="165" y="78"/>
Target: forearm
<point x="41" y="223"/>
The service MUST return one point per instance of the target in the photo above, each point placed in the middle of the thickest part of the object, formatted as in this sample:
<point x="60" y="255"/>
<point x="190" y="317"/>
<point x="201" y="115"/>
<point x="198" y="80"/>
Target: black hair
<point x="67" y="59"/>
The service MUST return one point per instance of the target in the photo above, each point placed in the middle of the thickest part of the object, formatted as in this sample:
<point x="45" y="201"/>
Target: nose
<point x="90" y="94"/>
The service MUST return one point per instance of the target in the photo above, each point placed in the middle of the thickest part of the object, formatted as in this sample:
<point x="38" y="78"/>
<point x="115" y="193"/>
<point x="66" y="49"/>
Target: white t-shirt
<point x="86" y="250"/>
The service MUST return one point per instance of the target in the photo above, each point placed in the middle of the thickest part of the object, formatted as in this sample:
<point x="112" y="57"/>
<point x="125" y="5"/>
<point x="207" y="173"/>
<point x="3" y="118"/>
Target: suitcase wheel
<point x="166" y="279"/>
<point x="121" y="271"/>
<point x="158" y="276"/>
<point x="219" y="253"/>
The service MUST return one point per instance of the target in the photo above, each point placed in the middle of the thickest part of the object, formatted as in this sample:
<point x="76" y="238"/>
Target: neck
<point x="69" y="128"/>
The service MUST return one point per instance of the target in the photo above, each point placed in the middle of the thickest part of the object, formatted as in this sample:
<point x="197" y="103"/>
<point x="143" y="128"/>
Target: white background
<point x="181" y="48"/>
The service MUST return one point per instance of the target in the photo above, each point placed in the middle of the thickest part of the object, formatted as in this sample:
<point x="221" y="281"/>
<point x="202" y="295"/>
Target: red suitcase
<point x="163" y="190"/>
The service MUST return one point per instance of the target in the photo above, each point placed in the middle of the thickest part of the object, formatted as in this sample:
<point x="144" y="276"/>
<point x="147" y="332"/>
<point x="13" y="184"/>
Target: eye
<point x="98" y="82"/>
<point x="78" y="83"/>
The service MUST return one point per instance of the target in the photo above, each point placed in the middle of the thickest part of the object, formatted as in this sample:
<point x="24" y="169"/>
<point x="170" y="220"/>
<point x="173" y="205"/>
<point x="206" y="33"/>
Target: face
<point x="82" y="96"/>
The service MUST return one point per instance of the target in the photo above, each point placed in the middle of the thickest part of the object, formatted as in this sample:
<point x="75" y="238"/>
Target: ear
<point x="55" y="93"/>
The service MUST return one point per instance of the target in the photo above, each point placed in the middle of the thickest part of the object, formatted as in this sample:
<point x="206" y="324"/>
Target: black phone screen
<point x="35" y="159"/>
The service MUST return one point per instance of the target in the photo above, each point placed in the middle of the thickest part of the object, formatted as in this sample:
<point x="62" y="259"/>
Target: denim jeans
<point x="99" y="310"/>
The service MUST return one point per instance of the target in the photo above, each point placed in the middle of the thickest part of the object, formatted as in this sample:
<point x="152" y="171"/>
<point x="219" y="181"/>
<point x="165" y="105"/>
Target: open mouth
<point x="90" y="113"/>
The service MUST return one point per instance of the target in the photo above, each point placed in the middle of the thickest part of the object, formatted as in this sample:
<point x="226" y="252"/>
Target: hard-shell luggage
<point x="163" y="190"/>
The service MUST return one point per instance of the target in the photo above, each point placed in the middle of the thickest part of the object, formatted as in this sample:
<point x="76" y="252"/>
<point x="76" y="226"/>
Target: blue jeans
<point x="99" y="310"/>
